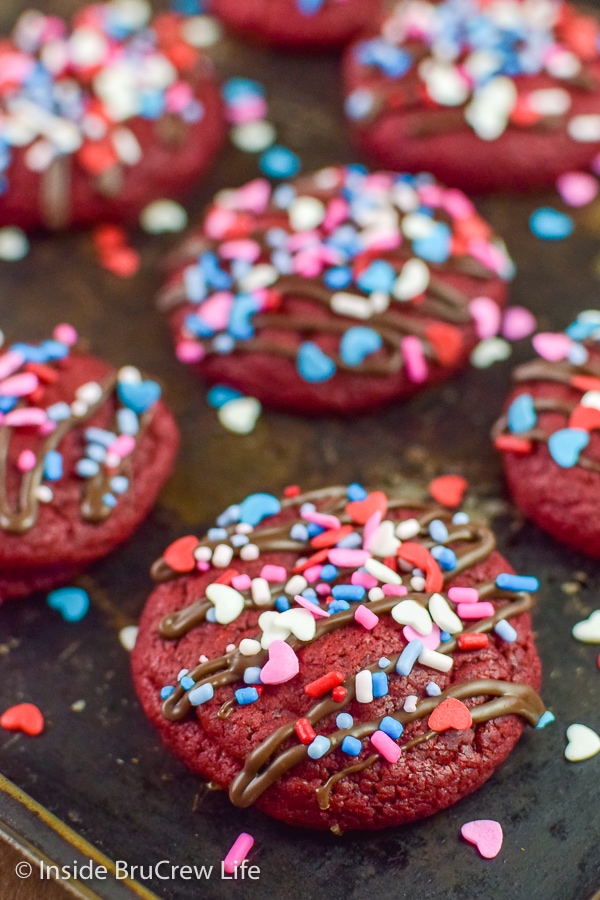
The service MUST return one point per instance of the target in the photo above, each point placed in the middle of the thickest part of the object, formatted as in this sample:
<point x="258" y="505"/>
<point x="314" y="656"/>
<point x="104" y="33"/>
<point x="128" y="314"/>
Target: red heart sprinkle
<point x="24" y="717"/>
<point x="447" y="343"/>
<point x="510" y="443"/>
<point x="415" y="554"/>
<point x="585" y="417"/>
<point x="360" y="511"/>
<point x="451" y="713"/>
<point x="585" y="382"/>
<point x="448" y="489"/>
<point x="179" y="555"/>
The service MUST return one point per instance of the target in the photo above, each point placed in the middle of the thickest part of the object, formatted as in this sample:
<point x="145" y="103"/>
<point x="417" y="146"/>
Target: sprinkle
<point x="348" y="558"/>
<point x="380" y="684"/>
<point x="338" y="694"/>
<point x="72" y="603"/>
<point x="306" y="733"/>
<point x="344" y="720"/>
<point x="577" y="188"/>
<point x="128" y="637"/>
<point x="13" y="244"/>
<point x="323" y="684"/>
<point x="583" y="743"/>
<point x="163" y="217"/>
<point x="448" y="490"/>
<point x="505" y="631"/>
<point x="386" y="746"/>
<point x="201" y="694"/>
<point x="238" y="852"/>
<point x="490" y="351"/>
<point x="249" y="647"/>
<point x="433" y="689"/>
<point x="364" y="686"/>
<point x="382" y="572"/>
<point x="351" y="592"/>
<point x="392" y="727"/>
<point x="351" y="745"/>
<point x="550" y="224"/>
<point x="472" y="641"/>
<point x="508" y="582"/>
<point x="251" y="675"/>
<point x="410" y="704"/>
<point x="408" y="657"/>
<point x="279" y="162"/>
<point x="435" y="660"/>
<point x="26" y="460"/>
<point x="485" y="834"/>
<point x="254" y="137"/>
<point x="245" y="696"/>
<point x="25" y="717"/>
<point x="479" y="610"/>
<point x="319" y="747"/>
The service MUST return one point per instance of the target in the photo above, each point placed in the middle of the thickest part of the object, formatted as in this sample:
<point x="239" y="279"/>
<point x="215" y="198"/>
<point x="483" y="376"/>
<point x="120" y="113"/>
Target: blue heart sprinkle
<point x="566" y="445"/>
<point x="357" y="343"/>
<point x="256" y="507"/>
<point x="313" y="365"/>
<point x="521" y="414"/>
<point x="138" y="395"/>
<point x="239" y="325"/>
<point x="550" y="224"/>
<point x="379" y="276"/>
<point x="221" y="394"/>
<point x="72" y="603"/>
<point x="435" y="246"/>
<point x="546" y="718"/>
<point x="309" y="7"/>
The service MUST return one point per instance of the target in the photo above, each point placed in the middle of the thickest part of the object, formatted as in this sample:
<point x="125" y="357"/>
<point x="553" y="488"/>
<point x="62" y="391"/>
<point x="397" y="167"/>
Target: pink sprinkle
<point x="66" y="334"/>
<point x="388" y="748"/>
<point x="313" y="609"/>
<point x="19" y="385"/>
<point x="307" y="263"/>
<point x="322" y="519"/>
<point x="487" y="254"/>
<point x="457" y="204"/>
<point x="218" y="222"/>
<point x="273" y="573"/>
<point x="247" y="250"/>
<point x="414" y="358"/>
<point x="518" y="323"/>
<point x="323" y="589"/>
<point x="382" y="240"/>
<point x="10" y="362"/>
<point x="337" y="211"/>
<point x="248" y="111"/>
<point x="312" y="574"/>
<point x="178" y="96"/>
<point x="394" y="590"/>
<point x="364" y="579"/>
<point x="47" y="427"/>
<point x="254" y="196"/>
<point x="189" y="351"/>
<point x="366" y="617"/>
<point x="26" y="460"/>
<point x="371" y="526"/>
<point x="577" y="188"/>
<point x="347" y="559"/>
<point x="475" y="610"/>
<point x="486" y="315"/>
<point x="303" y="240"/>
<point x="431" y="194"/>
<point x="240" y="850"/>
<point x="123" y="446"/>
<point x="430" y="641"/>
<point x="551" y="345"/>
<point x="202" y="566"/>
<point x="463" y="595"/>
<point x="242" y="582"/>
<point x="18" y="418"/>
<point x="215" y="311"/>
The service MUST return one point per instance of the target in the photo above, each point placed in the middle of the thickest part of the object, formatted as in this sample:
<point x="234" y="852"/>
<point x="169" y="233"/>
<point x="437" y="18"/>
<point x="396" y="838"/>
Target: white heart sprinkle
<point x="163" y="217"/>
<point x="445" y="84"/>
<point x="272" y="628"/>
<point x="412" y="280"/>
<point x="240" y="415"/>
<point x="583" y="743"/>
<point x="490" y="108"/>
<point x="228" y="602"/>
<point x="443" y="615"/>
<point x="490" y="351"/>
<point x="300" y="622"/>
<point x="128" y="636"/>
<point x="345" y="304"/>
<point x="409" y="612"/>
<point x="588" y="631"/>
<point x="591" y="399"/>
<point x="383" y="543"/>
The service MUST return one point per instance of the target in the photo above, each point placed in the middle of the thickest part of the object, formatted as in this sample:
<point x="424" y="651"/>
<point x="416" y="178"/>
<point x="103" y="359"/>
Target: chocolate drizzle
<point x="272" y="758"/>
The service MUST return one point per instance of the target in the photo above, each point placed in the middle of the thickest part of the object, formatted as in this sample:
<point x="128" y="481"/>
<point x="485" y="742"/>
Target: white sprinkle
<point x="296" y="585"/>
<point x="549" y="101"/>
<point x="261" y="592"/>
<point x="410" y="704"/>
<point x="240" y="415"/>
<point x="13" y="244"/>
<point x="443" y="615"/>
<point x="249" y="552"/>
<point x="203" y="554"/>
<point x="249" y="647"/>
<point x="407" y="529"/>
<point x="306" y="213"/>
<point x="490" y="351"/>
<point x="253" y="137"/>
<point x="382" y="572"/>
<point x="202" y="31"/>
<point x="44" y="493"/>
<point x="128" y="636"/>
<point x="363" y="686"/>
<point x="79" y="408"/>
<point x="375" y="594"/>
<point x="129" y="375"/>
<point x="127" y="146"/>
<point x="345" y="304"/>
<point x="88" y="47"/>
<point x="261" y="276"/>
<point x="163" y="217"/>
<point x="89" y="393"/>
<point x="412" y="280"/>
<point x="434" y="660"/>
<point x="78" y="706"/>
<point x="417" y="583"/>
<point x="222" y="556"/>
<point x="585" y="129"/>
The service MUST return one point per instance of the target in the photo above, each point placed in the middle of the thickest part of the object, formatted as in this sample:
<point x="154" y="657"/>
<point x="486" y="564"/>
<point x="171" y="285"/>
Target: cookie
<point x="484" y="95"/>
<point x="549" y="435"/>
<point x="298" y="23"/>
<point x="337" y="292"/>
<point x="343" y="659"/>
<point x="99" y="119"/>
<point x="84" y="451"/>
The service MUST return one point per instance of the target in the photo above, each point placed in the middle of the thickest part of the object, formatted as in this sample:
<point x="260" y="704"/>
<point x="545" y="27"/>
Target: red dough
<point x="283" y="23"/>
<point x="517" y="136"/>
<point x="429" y="775"/>
<point x="46" y="539"/>
<point x="302" y="298"/>
<point x="153" y="120"/>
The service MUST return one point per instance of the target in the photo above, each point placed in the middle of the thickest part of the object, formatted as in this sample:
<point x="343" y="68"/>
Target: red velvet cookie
<point x="84" y="453"/>
<point x="337" y="292"/>
<point x="549" y="435"/>
<point x="486" y="95"/>
<point x="345" y="660"/>
<point x="101" y="119"/>
<point x="298" y="23"/>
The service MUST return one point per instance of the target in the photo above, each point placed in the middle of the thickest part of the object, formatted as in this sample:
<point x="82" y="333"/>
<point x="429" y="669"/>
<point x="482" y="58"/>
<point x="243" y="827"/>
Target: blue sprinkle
<point x="357" y="343"/>
<point x="229" y="516"/>
<point x="409" y="656"/>
<point x="221" y="394"/>
<point x="310" y="594"/>
<point x="352" y="592"/>
<point x="119" y="484"/>
<point x="338" y="278"/>
<point x="194" y="284"/>
<point x="307" y="508"/>
<point x="100" y="436"/>
<point x="351" y="745"/>
<point x="165" y="692"/>
<point x="380" y="684"/>
<point x="201" y="694"/>
<point x="438" y="531"/>
<point x="72" y="603"/>
<point x="351" y="541"/>
<point x="434" y="247"/>
<point x="551" y="225"/>
<point x="433" y="689"/>
<point x="508" y="582"/>
<point x="577" y="355"/>
<point x="379" y="276"/>
<point x="187" y="683"/>
<point x="314" y="529"/>
<point x="299" y="532"/>
<point x="224" y="344"/>
<point x="86" y="468"/>
<point x="127" y="422"/>
<point x="53" y="465"/>
<point x="211" y="615"/>
<point x="217" y="534"/>
<point x="545" y="719"/>
<point x="447" y="559"/>
<point x="359" y="104"/>
<point x="283" y="262"/>
<point x="276" y="237"/>
<point x="283" y="196"/>
<point x="282" y="603"/>
<point x="313" y="365"/>
<point x="240" y="325"/>
<point x="54" y="350"/>
<point x="338" y="606"/>
<point x="239" y="540"/>
<point x="356" y="492"/>
<point x="309" y="7"/>
<point x="521" y="415"/>
<point x="445" y="636"/>
<point x="319" y="747"/>
<point x="244" y="696"/>
<point x="8" y="403"/>
<point x="392" y="727"/>
<point x="344" y="720"/>
<point x="109" y="500"/>
<point x="240" y="89"/>
<point x="58" y="412"/>
<point x="328" y="572"/>
<point x="383" y="662"/>
<point x="279" y="162"/>
<point x="257" y="507"/>
<point x="505" y="630"/>
<point x="97" y="452"/>
<point x="460" y="518"/>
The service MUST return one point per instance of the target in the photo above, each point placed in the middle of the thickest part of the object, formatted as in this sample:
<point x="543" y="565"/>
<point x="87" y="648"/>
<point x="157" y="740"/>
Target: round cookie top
<point x="337" y="291"/>
<point x="97" y="96"/>
<point x="84" y="450"/>
<point x="364" y="659"/>
<point x="484" y="70"/>
<point x="549" y="433"/>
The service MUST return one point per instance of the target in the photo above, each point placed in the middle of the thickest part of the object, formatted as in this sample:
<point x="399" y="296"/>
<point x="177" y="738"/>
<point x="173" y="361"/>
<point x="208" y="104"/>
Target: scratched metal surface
<point x="103" y="770"/>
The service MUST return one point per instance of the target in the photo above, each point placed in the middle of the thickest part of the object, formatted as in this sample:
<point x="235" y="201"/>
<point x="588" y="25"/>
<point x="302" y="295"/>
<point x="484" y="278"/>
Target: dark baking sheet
<point x="102" y="770"/>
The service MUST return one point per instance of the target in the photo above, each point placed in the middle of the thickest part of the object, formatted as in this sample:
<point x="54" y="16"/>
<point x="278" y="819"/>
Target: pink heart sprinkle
<point x="577" y="188"/>
<point x="254" y="196"/>
<point x="518" y="323"/>
<point x="430" y="641"/>
<point x="551" y="345"/>
<point x="216" y="310"/>
<point x="282" y="664"/>
<point x="486" y="315"/>
<point x="371" y="526"/>
<point x="486" y="834"/>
